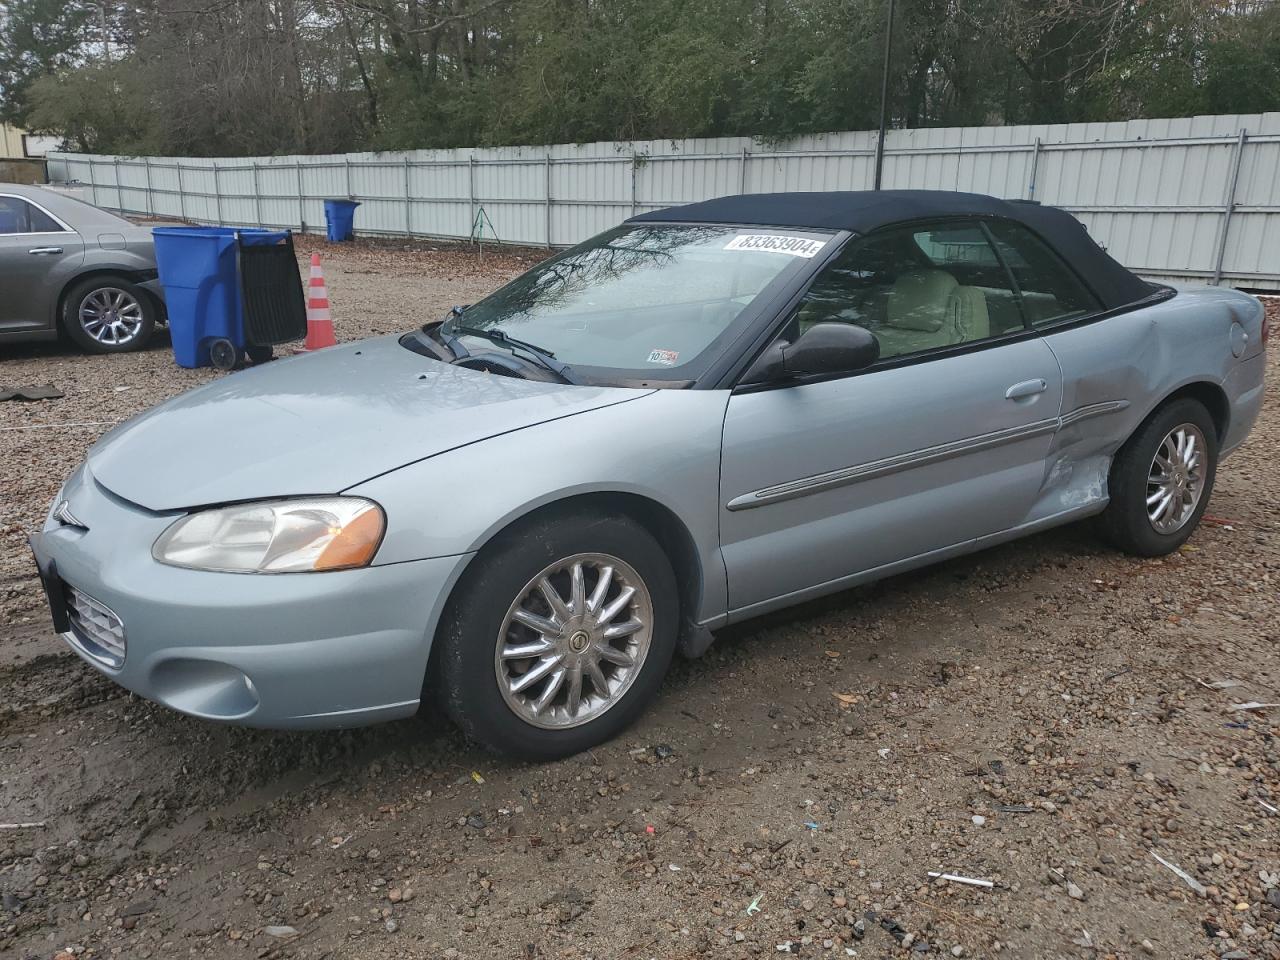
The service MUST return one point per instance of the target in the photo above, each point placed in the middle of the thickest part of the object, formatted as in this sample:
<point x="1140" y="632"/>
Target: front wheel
<point x="559" y="635"/>
<point x="1161" y="480"/>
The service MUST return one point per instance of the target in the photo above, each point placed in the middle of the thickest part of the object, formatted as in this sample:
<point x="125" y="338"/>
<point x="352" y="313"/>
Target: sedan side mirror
<point x="828" y="347"/>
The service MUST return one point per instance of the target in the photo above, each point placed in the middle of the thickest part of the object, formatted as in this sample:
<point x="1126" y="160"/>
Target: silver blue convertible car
<point x="708" y="412"/>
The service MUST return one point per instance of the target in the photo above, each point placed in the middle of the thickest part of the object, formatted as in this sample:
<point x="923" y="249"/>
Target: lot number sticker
<point x="776" y="243"/>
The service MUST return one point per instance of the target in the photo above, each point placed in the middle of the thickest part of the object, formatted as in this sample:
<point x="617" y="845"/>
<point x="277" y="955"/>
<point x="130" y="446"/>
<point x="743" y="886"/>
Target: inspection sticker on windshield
<point x="776" y="243"/>
<point x="665" y="357"/>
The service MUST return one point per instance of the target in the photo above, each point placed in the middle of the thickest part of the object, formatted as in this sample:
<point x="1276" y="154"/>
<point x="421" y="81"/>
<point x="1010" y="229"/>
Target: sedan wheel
<point x="108" y="314"/>
<point x="558" y="635"/>
<point x="574" y="640"/>
<point x="111" y="316"/>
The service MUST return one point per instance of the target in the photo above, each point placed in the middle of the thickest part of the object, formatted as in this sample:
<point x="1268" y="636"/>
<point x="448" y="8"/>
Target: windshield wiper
<point x="543" y="358"/>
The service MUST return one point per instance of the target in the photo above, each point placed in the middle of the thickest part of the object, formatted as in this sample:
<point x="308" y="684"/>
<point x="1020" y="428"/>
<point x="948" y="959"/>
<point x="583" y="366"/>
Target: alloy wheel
<point x="111" y="316"/>
<point x="574" y="641"/>
<point x="1175" y="480"/>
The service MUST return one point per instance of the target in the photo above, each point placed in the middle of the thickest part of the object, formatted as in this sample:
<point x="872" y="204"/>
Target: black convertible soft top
<point x="862" y="211"/>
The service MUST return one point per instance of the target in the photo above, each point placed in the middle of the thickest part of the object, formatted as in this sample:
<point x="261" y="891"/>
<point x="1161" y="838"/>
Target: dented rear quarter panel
<point x="1142" y="357"/>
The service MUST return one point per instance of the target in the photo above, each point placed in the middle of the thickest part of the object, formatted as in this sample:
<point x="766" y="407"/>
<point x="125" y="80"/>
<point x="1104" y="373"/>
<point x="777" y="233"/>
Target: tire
<point x="1126" y="522"/>
<point x="478" y="622"/>
<point x="108" y="314"/>
<point x="259" y="354"/>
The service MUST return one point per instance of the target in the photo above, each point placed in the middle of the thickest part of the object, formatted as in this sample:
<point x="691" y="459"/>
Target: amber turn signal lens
<point x="355" y="544"/>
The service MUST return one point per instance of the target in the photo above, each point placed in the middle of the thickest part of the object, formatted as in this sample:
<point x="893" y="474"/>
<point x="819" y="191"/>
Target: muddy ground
<point x="1041" y="715"/>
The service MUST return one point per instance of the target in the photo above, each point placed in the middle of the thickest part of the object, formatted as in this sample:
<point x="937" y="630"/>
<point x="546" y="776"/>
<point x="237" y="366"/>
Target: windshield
<point x="642" y="301"/>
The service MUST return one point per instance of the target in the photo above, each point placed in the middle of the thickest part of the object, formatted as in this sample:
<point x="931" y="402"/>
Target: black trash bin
<point x="275" y="310"/>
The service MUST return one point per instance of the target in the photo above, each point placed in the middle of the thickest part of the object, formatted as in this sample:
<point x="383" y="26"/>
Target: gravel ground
<point x="1048" y="715"/>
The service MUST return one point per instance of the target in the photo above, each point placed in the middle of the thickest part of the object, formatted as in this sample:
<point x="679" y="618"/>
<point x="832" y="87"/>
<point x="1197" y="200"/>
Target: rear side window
<point x="18" y="216"/>
<point x="961" y="245"/>
<point x="1049" y="291"/>
<point x="41" y="222"/>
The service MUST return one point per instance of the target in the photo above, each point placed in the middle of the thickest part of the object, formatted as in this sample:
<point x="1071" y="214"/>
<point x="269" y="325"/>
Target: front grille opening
<point x="95" y="627"/>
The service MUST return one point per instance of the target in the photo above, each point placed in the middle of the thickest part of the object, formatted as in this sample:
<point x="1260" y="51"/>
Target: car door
<point x="38" y="254"/>
<point x="941" y="441"/>
<point x="1106" y="365"/>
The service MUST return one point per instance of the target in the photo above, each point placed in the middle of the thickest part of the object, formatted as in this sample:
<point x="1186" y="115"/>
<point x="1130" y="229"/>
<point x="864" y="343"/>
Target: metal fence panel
<point x="1192" y="198"/>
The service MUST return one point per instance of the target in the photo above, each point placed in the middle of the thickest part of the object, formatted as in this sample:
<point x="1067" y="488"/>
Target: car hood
<point x="320" y="423"/>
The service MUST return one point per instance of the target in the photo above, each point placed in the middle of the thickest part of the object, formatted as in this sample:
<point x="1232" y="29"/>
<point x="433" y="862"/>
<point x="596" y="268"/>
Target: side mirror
<point x="828" y="347"/>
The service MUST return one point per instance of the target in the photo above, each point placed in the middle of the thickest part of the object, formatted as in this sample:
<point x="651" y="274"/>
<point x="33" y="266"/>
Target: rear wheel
<point x="559" y="635"/>
<point x="1162" y="479"/>
<point x="108" y="314"/>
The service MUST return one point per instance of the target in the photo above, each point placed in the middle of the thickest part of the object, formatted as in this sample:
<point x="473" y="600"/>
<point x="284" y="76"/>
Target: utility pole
<point x="106" y="35"/>
<point x="884" y="96"/>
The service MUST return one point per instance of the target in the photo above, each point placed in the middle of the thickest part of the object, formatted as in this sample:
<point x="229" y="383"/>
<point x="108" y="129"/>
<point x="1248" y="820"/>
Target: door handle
<point x="45" y="251"/>
<point x="1027" y="388"/>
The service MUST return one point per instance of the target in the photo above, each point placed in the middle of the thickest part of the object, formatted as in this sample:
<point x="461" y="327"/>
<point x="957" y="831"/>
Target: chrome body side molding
<point x="805" y="486"/>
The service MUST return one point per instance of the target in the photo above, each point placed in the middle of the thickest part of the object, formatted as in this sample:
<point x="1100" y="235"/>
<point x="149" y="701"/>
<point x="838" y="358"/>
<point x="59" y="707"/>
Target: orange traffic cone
<point x="319" y="320"/>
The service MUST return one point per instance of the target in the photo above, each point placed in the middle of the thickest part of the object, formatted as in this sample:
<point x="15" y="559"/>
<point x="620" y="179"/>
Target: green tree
<point x="226" y="77"/>
<point x="37" y="38"/>
<point x="93" y="108"/>
<point x="1242" y="65"/>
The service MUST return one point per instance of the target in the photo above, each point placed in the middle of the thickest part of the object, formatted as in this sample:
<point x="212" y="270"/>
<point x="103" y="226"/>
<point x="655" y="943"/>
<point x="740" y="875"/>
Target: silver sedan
<point x="527" y="508"/>
<point x="68" y="267"/>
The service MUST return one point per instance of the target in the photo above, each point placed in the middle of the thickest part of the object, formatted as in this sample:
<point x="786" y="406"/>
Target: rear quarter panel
<point x="129" y="253"/>
<point x="1141" y="357"/>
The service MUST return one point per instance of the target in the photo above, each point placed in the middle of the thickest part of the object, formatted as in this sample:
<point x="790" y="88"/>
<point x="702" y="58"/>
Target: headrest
<point x="919" y="300"/>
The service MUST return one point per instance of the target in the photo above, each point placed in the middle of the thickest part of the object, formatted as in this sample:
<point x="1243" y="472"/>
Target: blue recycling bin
<point x="199" y="273"/>
<point x="339" y="219"/>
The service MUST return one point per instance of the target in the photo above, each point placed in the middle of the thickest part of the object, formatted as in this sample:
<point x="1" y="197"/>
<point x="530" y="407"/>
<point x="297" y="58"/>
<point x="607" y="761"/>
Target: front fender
<point x="664" y="447"/>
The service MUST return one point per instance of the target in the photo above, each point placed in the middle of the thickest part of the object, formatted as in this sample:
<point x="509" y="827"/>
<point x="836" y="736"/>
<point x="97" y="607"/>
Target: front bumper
<point x="313" y="650"/>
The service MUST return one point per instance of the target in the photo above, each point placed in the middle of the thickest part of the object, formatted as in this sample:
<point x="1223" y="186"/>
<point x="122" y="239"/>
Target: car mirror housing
<point x="825" y="348"/>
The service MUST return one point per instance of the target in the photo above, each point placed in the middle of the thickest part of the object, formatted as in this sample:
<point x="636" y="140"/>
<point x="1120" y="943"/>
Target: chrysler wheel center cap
<point x="579" y="641"/>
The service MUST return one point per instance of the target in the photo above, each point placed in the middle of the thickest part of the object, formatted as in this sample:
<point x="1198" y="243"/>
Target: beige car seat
<point x="929" y="309"/>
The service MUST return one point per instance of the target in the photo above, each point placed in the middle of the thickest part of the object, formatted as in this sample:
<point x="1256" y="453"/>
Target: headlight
<point x="281" y="536"/>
